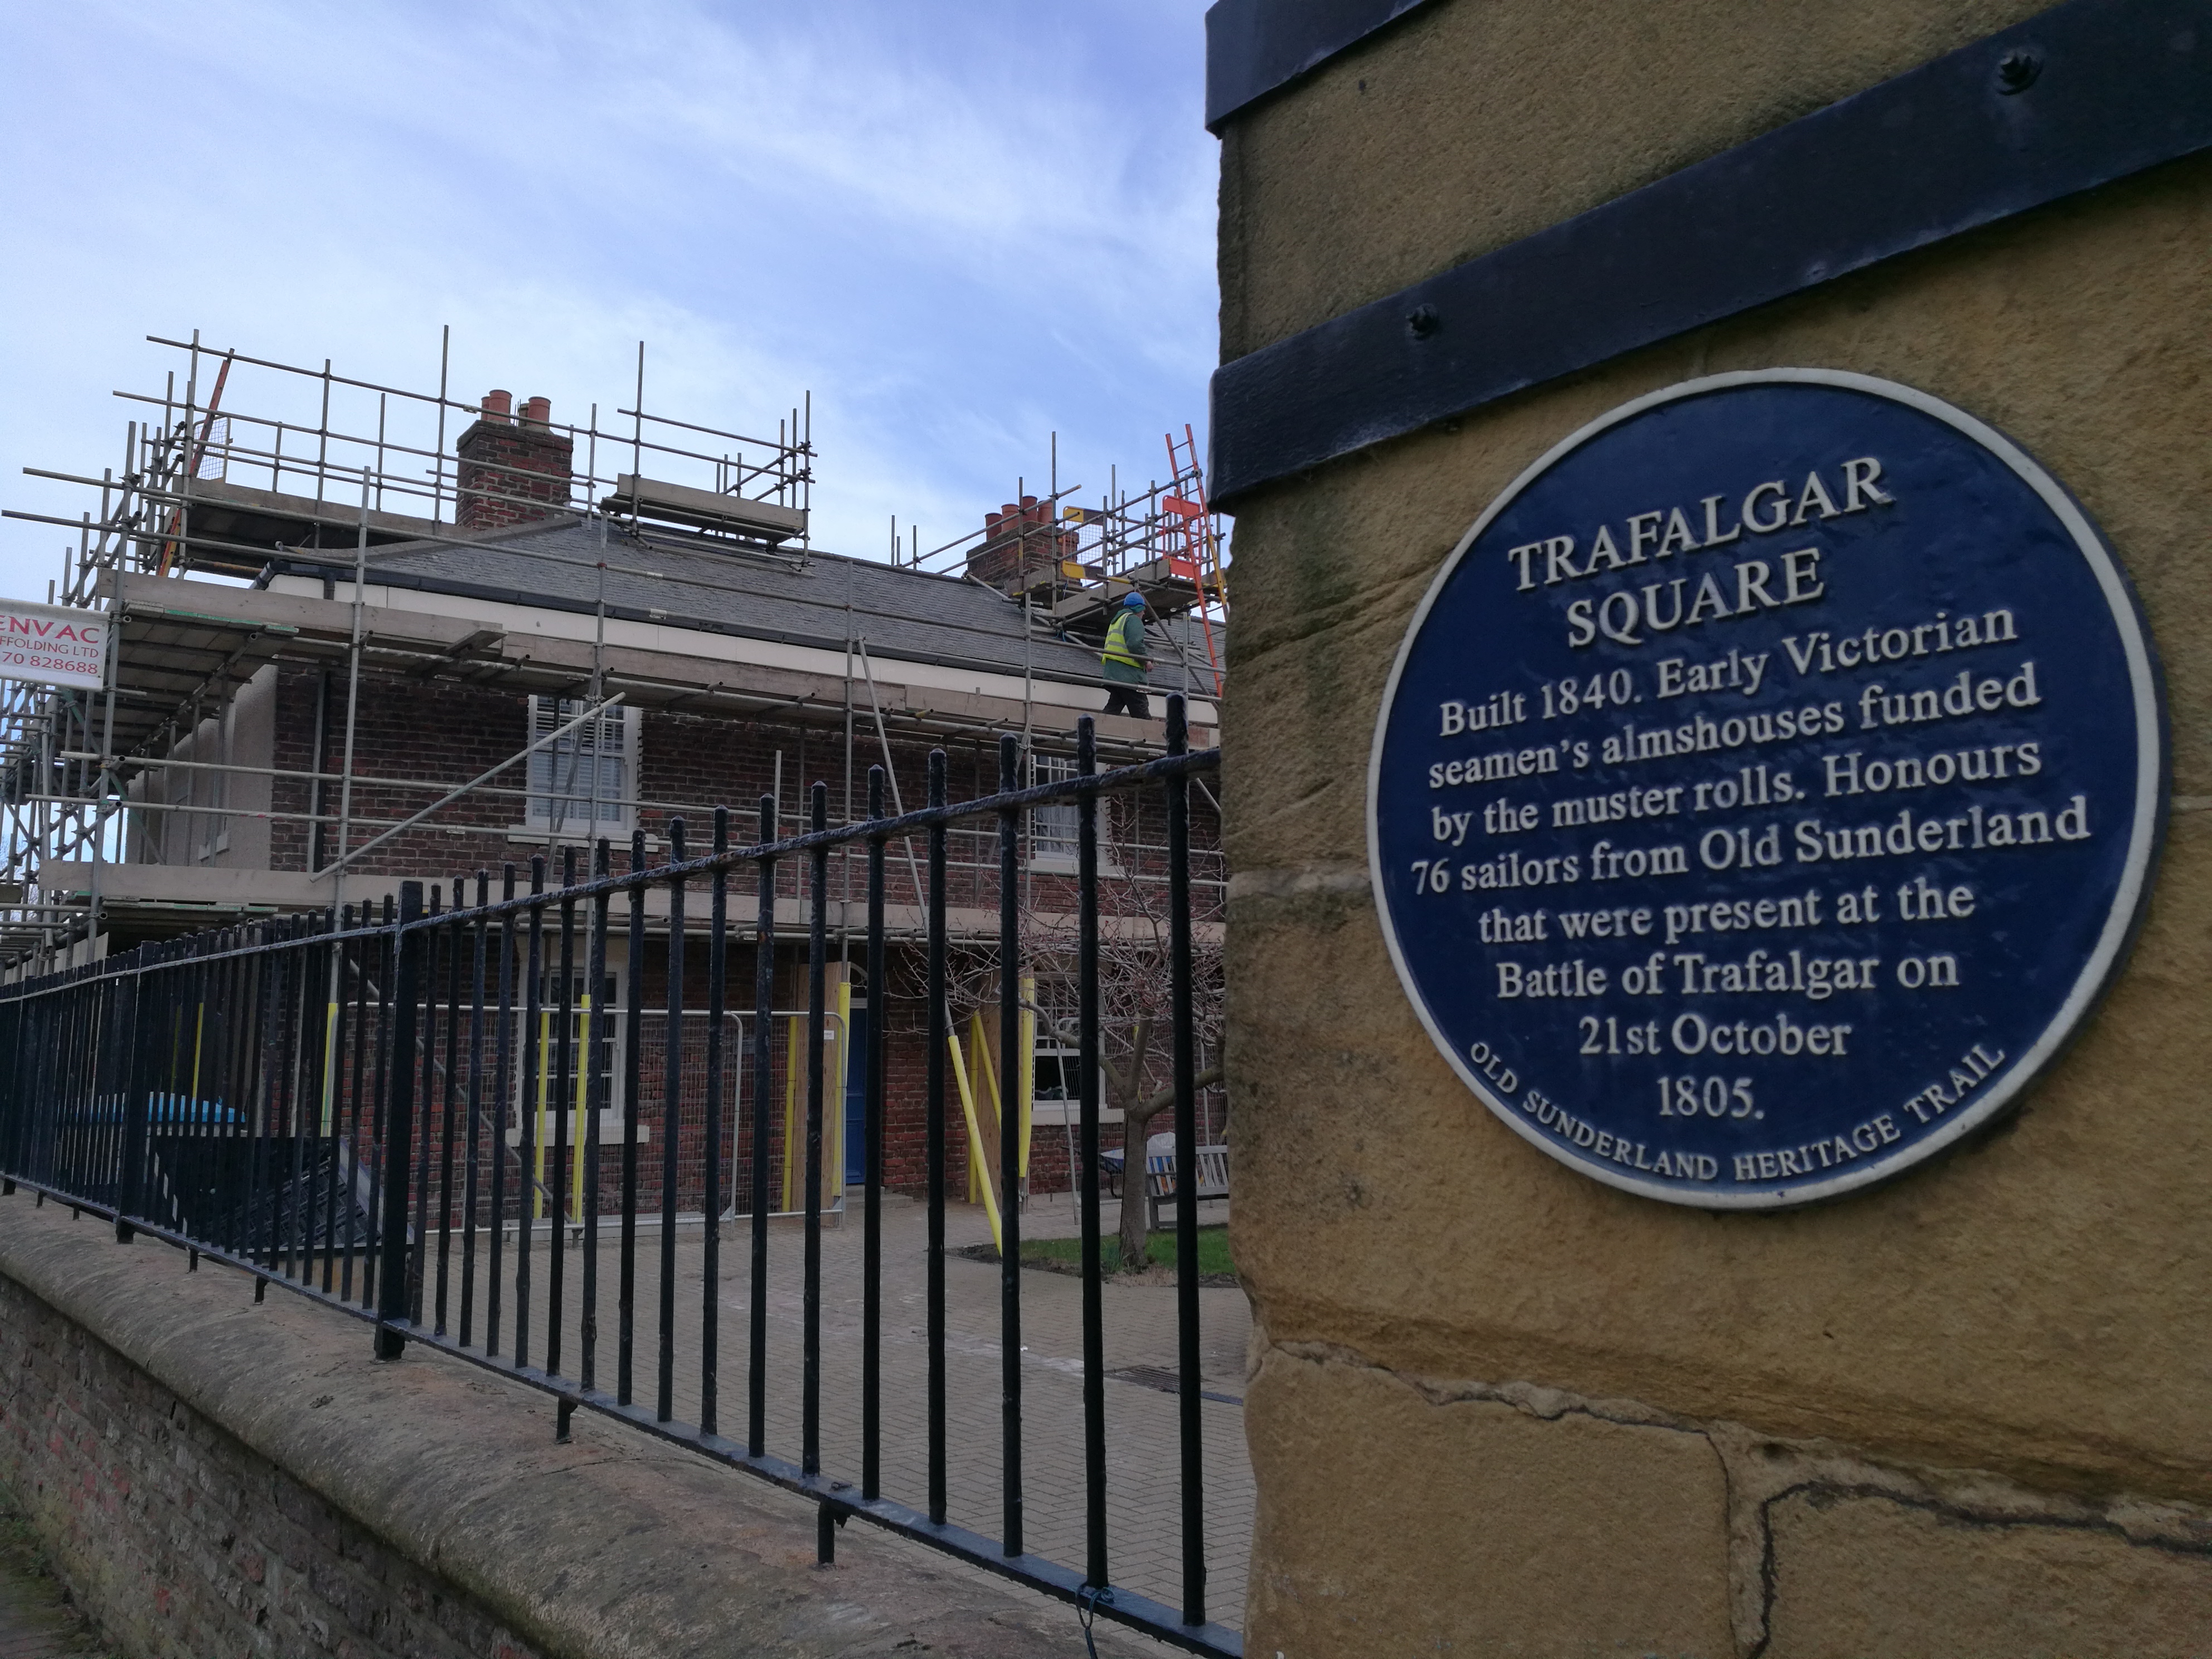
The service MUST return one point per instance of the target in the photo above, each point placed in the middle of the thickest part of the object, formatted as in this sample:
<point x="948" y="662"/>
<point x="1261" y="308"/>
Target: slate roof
<point x="900" y="614"/>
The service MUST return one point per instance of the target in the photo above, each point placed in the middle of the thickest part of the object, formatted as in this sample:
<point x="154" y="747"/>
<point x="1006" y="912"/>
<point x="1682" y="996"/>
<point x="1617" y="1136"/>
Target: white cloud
<point x="961" y="225"/>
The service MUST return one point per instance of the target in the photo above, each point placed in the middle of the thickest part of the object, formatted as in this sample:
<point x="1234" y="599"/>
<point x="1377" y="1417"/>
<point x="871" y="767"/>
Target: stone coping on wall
<point x="608" y="1547"/>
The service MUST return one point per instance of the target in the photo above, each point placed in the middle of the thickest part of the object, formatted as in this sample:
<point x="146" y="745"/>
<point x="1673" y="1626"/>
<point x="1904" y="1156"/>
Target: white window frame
<point x="1050" y="1045"/>
<point x="1055" y="1112"/>
<point x="612" y="1016"/>
<point x="1058" y="769"/>
<point x="621" y="725"/>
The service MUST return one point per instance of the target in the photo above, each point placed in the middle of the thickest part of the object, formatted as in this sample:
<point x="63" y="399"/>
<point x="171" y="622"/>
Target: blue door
<point x="856" y="1099"/>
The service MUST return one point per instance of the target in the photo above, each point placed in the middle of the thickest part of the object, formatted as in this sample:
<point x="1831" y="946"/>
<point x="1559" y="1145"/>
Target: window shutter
<point x="580" y="779"/>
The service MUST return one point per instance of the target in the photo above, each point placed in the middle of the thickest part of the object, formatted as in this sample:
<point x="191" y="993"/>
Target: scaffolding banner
<point x="51" y="645"/>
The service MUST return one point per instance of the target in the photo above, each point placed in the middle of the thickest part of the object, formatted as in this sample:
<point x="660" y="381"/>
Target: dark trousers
<point x="1128" y="700"/>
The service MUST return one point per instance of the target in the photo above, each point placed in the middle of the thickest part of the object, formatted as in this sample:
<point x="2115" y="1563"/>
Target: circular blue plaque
<point x="1766" y="788"/>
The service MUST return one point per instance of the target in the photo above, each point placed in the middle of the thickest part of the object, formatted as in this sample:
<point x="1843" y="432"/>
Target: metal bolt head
<point x="1423" y="321"/>
<point x="2017" y="69"/>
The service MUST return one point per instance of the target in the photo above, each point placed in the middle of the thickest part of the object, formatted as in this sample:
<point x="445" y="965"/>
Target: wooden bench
<point x="1160" y="1178"/>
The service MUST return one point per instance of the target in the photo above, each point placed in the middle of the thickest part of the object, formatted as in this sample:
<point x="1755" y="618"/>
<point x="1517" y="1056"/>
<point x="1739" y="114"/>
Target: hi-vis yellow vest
<point x="1124" y="640"/>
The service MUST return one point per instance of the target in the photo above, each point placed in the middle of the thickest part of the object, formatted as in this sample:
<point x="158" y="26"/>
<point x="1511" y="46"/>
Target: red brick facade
<point x="1020" y="548"/>
<point x="505" y="468"/>
<point x="407" y="729"/>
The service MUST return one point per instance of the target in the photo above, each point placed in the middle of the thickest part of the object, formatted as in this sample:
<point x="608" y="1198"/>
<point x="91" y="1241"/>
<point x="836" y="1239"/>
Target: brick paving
<point x="1143" y="1459"/>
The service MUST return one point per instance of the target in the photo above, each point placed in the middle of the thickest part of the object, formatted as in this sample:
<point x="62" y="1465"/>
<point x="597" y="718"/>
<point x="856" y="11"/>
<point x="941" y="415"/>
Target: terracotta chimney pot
<point x="509" y="474"/>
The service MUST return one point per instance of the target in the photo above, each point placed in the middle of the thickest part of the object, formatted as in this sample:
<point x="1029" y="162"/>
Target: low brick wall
<point x="214" y="1478"/>
<point x="180" y="1538"/>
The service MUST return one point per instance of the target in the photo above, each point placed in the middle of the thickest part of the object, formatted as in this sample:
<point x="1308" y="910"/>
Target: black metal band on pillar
<point x="1253" y="47"/>
<point x="2084" y="93"/>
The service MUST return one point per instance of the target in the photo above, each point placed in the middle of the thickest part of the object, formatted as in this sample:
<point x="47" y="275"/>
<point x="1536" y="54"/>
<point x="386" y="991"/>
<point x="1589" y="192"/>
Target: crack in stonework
<point x="1760" y="1471"/>
<point x="2102" y="1525"/>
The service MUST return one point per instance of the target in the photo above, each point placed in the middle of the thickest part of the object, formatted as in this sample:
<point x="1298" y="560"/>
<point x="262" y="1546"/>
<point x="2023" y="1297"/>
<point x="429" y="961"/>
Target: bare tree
<point x="1135" y="993"/>
<point x="1136" y="1021"/>
<point x="1130" y="1089"/>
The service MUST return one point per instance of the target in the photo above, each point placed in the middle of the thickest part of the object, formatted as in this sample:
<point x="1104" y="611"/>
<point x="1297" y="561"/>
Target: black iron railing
<point x="323" y="1101"/>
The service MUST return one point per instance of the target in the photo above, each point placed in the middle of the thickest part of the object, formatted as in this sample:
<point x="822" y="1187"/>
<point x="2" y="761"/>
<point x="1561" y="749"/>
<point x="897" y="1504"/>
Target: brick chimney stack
<point x="1021" y="546"/>
<point x="507" y="467"/>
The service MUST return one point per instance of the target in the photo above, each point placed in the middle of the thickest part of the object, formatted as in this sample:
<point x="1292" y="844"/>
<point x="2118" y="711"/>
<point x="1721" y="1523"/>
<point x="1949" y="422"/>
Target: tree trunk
<point x="1135" y="1211"/>
<point x="1136" y="1119"/>
<point x="1137" y="1115"/>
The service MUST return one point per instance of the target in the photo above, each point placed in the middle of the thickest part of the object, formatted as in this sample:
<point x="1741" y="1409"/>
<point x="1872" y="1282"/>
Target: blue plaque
<point x="1767" y="787"/>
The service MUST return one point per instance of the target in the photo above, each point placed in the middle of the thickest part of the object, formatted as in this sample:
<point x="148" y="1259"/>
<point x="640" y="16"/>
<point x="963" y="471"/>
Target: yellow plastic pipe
<point x="1025" y="1087"/>
<point x="537" y="1173"/>
<point x="979" y="1173"/>
<point x="833" y="1128"/>
<point x="793" y="1071"/>
<point x="583" y="1105"/>
<point x="330" y="1067"/>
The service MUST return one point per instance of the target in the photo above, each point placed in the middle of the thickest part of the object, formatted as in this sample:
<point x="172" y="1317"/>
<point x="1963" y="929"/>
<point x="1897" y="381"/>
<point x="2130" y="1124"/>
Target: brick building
<point x="565" y="663"/>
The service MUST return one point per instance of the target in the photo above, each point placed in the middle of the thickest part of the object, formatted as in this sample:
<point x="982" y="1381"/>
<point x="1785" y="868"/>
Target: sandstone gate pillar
<point x="1503" y="1404"/>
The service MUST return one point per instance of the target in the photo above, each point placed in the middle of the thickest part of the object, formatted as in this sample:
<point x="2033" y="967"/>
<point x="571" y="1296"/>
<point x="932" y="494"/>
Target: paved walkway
<point x="1143" y="1494"/>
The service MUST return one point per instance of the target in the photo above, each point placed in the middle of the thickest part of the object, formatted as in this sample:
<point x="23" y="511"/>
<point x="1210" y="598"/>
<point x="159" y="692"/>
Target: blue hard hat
<point x="1135" y="600"/>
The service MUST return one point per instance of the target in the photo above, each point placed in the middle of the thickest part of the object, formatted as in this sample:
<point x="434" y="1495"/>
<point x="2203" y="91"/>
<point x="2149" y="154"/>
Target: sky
<point x="961" y="225"/>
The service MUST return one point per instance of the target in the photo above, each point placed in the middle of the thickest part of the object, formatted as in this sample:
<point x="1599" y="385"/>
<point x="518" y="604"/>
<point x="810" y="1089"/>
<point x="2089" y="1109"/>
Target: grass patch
<point x="1066" y="1255"/>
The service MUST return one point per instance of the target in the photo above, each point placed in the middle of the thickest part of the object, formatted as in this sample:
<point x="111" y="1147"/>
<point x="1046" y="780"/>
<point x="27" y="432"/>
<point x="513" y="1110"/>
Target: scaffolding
<point x="241" y="464"/>
<point x="1071" y="564"/>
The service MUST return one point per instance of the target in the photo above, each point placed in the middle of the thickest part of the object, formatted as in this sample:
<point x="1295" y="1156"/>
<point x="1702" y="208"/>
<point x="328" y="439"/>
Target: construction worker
<point x="1127" y="661"/>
